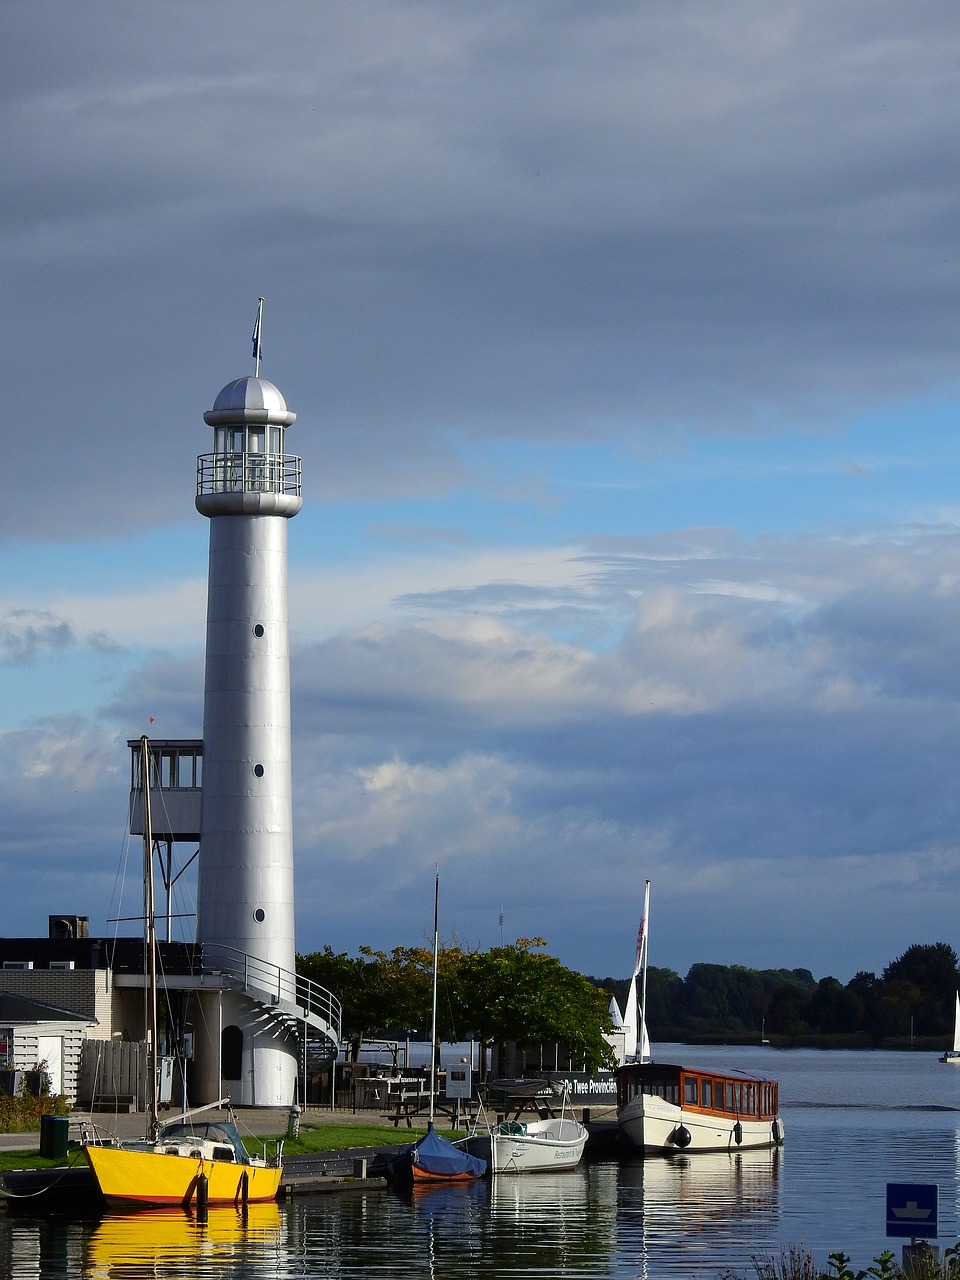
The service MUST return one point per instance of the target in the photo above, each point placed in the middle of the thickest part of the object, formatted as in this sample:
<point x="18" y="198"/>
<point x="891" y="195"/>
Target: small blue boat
<point x="433" y="1159"/>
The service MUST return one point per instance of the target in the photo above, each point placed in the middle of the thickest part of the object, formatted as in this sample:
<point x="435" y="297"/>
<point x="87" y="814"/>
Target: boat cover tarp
<point x="437" y="1156"/>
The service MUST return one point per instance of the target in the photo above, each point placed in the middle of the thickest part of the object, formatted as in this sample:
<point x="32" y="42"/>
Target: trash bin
<point x="53" y="1136"/>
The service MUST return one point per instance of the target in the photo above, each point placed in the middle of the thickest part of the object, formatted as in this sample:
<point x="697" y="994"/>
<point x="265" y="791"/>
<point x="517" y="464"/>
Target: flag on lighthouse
<point x="257" y="353"/>
<point x="642" y="931"/>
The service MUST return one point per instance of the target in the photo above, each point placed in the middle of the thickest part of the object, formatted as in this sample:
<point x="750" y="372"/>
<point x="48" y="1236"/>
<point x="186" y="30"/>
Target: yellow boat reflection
<point x="126" y="1245"/>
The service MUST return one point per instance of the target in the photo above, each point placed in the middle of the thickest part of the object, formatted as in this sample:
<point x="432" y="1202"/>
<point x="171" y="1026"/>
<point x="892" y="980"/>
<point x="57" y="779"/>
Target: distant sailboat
<point x="953" y="1055"/>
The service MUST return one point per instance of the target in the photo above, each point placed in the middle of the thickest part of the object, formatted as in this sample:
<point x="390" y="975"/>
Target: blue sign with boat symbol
<point x="912" y="1209"/>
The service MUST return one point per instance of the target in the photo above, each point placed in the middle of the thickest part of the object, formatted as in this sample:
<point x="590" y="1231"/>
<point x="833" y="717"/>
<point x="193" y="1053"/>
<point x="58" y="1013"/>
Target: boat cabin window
<point x="659" y="1087"/>
<point x="738" y="1097"/>
<point x="648" y="1079"/>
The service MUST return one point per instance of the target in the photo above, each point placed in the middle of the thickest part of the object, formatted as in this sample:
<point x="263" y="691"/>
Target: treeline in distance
<point x="914" y="996"/>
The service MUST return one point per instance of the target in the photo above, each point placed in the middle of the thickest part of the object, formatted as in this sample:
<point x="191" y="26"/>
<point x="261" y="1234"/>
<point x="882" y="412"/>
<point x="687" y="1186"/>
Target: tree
<point x="834" y="1008"/>
<point x="377" y="990"/>
<point x="932" y="970"/>
<point x="518" y="993"/>
<point x="508" y="993"/>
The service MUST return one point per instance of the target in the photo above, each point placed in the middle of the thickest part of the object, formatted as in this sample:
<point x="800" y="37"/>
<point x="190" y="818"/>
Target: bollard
<point x="293" y="1122"/>
<point x="920" y="1259"/>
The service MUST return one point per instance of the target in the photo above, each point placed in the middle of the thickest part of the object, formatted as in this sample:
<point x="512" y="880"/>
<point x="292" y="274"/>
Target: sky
<point x="624" y="339"/>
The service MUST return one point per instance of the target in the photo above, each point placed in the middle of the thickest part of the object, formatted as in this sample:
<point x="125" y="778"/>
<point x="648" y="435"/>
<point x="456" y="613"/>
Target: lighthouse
<point x="248" y="488"/>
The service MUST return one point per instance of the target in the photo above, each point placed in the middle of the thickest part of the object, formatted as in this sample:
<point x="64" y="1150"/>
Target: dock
<point x="361" y="1168"/>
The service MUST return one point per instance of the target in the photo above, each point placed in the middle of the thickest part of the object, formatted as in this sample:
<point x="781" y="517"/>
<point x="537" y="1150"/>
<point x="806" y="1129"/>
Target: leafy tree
<point x="786" y="1012"/>
<point x="377" y="990"/>
<point x="508" y="993"/>
<point x="898" y="1002"/>
<point x="932" y="970"/>
<point x="834" y="1009"/>
<point x="521" y="994"/>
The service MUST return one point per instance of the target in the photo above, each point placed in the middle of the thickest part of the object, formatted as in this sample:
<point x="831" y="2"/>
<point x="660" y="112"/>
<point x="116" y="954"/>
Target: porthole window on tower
<point x="259" y="915"/>
<point x="258" y="630"/>
<point x="258" y="770"/>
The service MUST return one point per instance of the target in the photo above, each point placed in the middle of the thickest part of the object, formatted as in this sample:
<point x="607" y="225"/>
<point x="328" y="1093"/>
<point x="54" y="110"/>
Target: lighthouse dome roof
<point x="249" y="400"/>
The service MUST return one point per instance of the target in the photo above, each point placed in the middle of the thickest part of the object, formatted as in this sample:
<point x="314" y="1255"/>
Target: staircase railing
<point x="280" y="985"/>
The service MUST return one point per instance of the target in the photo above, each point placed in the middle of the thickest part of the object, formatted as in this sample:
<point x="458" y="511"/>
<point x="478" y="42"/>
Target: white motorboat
<point x="663" y="1108"/>
<point x="533" y="1146"/>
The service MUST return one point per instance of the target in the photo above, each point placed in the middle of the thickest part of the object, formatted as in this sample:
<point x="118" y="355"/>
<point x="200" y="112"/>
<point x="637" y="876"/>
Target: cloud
<point x="773" y="714"/>
<point x="27" y="635"/>
<point x="558" y="223"/>
<point x="596" y="318"/>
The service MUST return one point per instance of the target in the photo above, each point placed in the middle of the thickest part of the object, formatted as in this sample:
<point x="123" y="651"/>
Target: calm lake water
<point x="854" y="1121"/>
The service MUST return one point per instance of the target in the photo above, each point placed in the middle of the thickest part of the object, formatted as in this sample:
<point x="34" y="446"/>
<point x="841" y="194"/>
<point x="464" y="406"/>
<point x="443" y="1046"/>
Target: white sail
<point x="636" y="1040"/>
<point x="629" y="1023"/>
<point x="640" y="970"/>
<point x="953" y="1055"/>
<point x="615" y="1016"/>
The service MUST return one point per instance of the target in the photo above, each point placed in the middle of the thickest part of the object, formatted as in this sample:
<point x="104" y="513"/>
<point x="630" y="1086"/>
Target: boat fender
<point x="203" y="1197"/>
<point x="680" y="1137"/>
<point x="738" y="1133"/>
<point x="776" y="1132"/>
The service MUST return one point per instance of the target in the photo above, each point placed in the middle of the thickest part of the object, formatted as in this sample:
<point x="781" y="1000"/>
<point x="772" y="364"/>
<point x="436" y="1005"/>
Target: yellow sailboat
<point x="190" y="1161"/>
<point x="186" y="1160"/>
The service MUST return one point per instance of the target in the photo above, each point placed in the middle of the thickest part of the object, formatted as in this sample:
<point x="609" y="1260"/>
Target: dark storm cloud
<point x="543" y="222"/>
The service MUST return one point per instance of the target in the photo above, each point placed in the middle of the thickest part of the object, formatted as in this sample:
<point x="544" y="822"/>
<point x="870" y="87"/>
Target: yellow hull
<point x="130" y="1178"/>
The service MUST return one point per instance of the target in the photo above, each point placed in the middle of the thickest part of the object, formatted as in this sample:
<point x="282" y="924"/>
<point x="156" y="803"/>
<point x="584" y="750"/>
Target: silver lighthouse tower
<point x="249" y="487"/>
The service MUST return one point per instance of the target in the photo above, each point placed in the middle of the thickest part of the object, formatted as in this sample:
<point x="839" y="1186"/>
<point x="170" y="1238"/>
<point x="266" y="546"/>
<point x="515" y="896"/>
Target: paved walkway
<point x="255" y="1121"/>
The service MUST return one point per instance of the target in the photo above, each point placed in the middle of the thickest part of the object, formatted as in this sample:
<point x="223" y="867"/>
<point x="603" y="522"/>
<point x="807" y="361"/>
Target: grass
<point x="34" y="1160"/>
<point x="312" y="1138"/>
<point x="337" y="1137"/>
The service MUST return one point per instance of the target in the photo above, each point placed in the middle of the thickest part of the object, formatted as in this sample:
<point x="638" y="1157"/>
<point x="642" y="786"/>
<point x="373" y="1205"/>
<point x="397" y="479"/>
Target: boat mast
<point x="433" y="1027"/>
<point x="151" y="941"/>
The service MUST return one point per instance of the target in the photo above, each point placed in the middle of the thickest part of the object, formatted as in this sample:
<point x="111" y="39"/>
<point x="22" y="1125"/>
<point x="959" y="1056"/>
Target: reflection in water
<point x="661" y="1219"/>
<point x="175" y="1243"/>
<point x="555" y="1223"/>
<point x="696" y="1209"/>
<point x="658" y="1217"/>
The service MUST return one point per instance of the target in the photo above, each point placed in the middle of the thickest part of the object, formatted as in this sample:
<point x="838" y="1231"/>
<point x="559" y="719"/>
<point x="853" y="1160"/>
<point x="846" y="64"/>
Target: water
<point x="854" y="1121"/>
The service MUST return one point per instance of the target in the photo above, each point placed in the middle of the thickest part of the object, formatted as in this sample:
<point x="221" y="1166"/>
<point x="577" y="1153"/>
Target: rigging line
<point x="120" y="878"/>
<point x="454" y="1038"/>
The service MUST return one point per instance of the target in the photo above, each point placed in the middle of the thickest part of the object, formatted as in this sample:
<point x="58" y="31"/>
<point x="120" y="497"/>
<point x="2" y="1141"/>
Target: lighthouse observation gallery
<point x="249" y="488"/>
